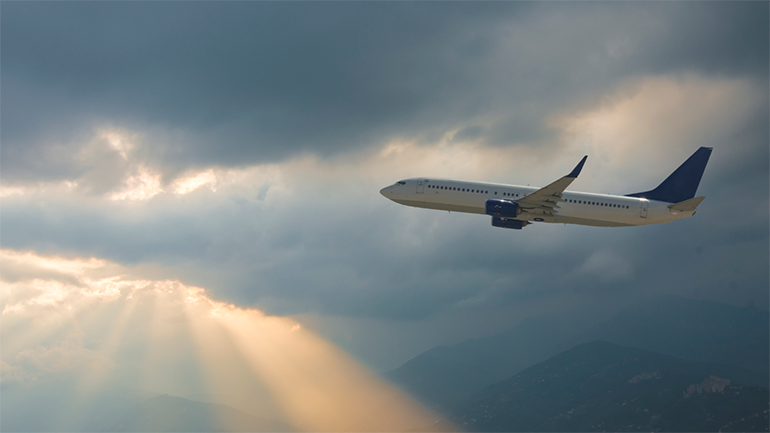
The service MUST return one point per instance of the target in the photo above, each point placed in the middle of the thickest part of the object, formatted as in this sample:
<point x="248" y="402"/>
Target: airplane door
<point x="645" y="203"/>
<point x="420" y="186"/>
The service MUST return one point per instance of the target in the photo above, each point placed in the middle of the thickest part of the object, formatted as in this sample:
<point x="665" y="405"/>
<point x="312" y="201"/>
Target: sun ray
<point x="228" y="376"/>
<point x="320" y="387"/>
<point x="162" y="336"/>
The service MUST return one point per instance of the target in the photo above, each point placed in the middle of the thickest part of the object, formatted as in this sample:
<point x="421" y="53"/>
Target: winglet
<point x="577" y="169"/>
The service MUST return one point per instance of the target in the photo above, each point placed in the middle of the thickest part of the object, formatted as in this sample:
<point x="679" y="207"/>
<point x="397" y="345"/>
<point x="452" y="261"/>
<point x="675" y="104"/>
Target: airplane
<point x="515" y="207"/>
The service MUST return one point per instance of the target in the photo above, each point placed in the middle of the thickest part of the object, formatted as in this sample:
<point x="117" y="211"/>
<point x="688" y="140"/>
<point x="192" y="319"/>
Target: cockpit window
<point x="401" y="182"/>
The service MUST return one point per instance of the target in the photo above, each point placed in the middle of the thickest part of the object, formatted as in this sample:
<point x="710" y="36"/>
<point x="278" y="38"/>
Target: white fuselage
<point x="582" y="208"/>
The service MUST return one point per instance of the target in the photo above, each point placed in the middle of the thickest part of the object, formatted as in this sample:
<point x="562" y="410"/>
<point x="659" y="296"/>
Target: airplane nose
<point x="384" y="190"/>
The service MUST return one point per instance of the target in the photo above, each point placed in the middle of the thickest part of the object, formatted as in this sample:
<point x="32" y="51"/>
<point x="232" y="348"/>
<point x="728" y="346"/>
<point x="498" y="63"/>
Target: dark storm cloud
<point x="236" y="83"/>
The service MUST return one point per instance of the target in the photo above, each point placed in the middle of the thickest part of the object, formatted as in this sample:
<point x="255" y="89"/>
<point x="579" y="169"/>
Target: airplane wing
<point x="545" y="200"/>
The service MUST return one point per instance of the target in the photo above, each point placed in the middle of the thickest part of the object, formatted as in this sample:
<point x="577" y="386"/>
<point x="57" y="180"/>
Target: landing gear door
<point x="645" y="203"/>
<point x="420" y="186"/>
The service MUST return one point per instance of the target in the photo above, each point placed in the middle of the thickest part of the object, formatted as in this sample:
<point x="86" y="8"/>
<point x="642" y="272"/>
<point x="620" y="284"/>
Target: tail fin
<point x="683" y="182"/>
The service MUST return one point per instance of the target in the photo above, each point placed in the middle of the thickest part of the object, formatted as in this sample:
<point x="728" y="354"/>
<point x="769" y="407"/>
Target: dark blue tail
<point x="683" y="182"/>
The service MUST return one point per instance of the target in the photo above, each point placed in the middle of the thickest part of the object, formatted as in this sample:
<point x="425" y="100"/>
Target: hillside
<point x="600" y="386"/>
<point x="686" y="328"/>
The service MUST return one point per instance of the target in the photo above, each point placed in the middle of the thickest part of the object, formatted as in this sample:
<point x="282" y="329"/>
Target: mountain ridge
<point x="600" y="386"/>
<point x="686" y="328"/>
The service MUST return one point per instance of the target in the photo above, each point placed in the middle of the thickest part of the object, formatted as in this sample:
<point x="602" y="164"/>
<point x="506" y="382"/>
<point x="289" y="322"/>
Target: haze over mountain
<point x="174" y="414"/>
<point x="125" y="410"/>
<point x="687" y="328"/>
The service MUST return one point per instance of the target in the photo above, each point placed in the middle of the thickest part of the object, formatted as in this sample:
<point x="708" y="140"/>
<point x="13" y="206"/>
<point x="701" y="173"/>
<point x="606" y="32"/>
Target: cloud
<point x="42" y="364"/>
<point x="229" y="85"/>
<point x="605" y="266"/>
<point x="310" y="234"/>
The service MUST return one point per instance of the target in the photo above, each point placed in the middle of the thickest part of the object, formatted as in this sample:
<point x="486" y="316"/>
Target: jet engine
<point x="502" y="208"/>
<point x="508" y="223"/>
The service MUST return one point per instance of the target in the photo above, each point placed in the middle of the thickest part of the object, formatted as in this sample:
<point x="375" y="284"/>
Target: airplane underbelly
<point x="587" y="222"/>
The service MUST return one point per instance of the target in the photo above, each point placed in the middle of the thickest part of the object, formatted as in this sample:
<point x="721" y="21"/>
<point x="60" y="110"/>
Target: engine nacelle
<point x="502" y="208"/>
<point x="508" y="223"/>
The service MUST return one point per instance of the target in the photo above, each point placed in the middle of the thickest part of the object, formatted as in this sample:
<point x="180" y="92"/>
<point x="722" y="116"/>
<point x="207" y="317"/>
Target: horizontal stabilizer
<point x="687" y="205"/>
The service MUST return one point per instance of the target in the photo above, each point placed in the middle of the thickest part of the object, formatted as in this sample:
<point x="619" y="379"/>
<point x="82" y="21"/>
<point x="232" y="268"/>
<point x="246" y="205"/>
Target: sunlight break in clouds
<point x="119" y="141"/>
<point x="633" y="127"/>
<point x="88" y="319"/>
<point x="190" y="184"/>
<point x="142" y="185"/>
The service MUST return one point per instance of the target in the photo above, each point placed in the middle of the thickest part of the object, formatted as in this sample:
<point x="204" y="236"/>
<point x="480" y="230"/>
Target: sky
<point x="236" y="151"/>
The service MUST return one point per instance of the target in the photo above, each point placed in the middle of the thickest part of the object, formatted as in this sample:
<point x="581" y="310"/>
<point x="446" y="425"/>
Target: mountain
<point x="445" y="375"/>
<point x="600" y="386"/>
<point x="686" y="328"/>
<point x="173" y="414"/>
